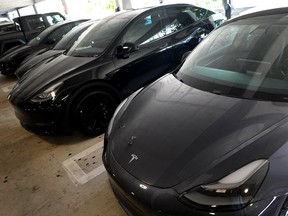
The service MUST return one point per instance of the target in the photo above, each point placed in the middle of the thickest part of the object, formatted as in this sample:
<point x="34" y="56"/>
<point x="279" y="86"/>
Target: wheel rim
<point x="94" y="113"/>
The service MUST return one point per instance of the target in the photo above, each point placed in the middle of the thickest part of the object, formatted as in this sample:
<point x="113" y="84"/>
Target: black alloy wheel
<point x="94" y="111"/>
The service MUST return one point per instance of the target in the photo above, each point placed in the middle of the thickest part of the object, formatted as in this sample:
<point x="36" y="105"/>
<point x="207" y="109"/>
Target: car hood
<point x="20" y="51"/>
<point x="177" y="131"/>
<point x="43" y="76"/>
<point x="36" y="60"/>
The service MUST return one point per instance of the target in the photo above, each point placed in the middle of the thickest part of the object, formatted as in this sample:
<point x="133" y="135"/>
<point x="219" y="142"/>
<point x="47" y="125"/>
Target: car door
<point x="188" y="26"/>
<point x="149" y="57"/>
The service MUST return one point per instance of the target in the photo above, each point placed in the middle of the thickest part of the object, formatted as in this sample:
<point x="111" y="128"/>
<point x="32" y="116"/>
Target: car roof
<point x="130" y="13"/>
<point x="275" y="11"/>
<point x="65" y="22"/>
<point x="41" y="14"/>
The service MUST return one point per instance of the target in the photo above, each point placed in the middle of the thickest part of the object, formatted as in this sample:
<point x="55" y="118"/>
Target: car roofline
<point x="265" y="12"/>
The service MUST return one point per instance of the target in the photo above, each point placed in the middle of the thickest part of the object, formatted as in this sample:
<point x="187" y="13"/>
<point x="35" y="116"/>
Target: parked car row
<point x="12" y="58"/>
<point x="114" y="57"/>
<point x="198" y="134"/>
<point x="42" y="55"/>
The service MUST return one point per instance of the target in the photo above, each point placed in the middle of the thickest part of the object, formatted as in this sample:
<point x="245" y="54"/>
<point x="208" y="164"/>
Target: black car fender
<point x="89" y="87"/>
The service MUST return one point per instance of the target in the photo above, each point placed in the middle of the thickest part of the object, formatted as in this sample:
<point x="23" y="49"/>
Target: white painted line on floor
<point x="74" y="171"/>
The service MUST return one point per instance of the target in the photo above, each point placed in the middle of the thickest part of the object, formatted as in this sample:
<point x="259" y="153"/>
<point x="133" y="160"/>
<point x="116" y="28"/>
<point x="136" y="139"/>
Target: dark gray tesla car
<point x="210" y="138"/>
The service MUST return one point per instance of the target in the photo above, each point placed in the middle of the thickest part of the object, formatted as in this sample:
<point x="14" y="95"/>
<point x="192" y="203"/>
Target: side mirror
<point x="122" y="51"/>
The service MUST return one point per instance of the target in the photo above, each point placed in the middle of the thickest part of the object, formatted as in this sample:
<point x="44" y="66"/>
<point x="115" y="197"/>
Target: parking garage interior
<point x="62" y="175"/>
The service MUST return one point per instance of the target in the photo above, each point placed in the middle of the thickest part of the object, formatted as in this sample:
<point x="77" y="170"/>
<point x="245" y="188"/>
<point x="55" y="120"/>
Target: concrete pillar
<point x="126" y="4"/>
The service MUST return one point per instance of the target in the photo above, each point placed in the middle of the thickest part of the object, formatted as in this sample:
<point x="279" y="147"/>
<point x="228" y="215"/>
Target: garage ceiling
<point x="6" y="6"/>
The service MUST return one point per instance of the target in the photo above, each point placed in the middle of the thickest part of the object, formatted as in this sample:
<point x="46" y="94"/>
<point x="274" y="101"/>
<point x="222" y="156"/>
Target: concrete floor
<point x="34" y="171"/>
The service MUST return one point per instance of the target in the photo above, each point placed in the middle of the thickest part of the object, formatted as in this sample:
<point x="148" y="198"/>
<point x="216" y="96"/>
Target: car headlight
<point x="124" y="103"/>
<point x="230" y="193"/>
<point x="48" y="94"/>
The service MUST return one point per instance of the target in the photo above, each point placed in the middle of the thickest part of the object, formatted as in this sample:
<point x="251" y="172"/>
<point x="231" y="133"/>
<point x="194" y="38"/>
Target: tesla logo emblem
<point x="132" y="140"/>
<point x="133" y="157"/>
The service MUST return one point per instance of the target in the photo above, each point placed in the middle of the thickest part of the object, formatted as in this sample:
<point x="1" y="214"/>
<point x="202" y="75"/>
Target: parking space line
<point x="79" y="175"/>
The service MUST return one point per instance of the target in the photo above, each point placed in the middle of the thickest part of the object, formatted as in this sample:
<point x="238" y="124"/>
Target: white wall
<point x="50" y="6"/>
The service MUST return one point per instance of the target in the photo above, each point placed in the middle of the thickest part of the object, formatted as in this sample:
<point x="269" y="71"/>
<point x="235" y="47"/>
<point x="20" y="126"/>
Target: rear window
<point x="36" y="23"/>
<point x="53" y="19"/>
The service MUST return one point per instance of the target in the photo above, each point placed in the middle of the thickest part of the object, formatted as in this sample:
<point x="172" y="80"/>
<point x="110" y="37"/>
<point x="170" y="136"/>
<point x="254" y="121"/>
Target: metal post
<point x="35" y="9"/>
<point x="227" y="8"/>
<point x="65" y="6"/>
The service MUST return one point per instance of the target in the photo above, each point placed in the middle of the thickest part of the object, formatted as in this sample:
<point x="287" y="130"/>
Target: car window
<point x="147" y="28"/>
<point x="179" y="18"/>
<point x="40" y="37"/>
<point x="201" y="13"/>
<point x="98" y="37"/>
<point x="36" y="23"/>
<point x="60" y="32"/>
<point x="68" y="40"/>
<point x="53" y="19"/>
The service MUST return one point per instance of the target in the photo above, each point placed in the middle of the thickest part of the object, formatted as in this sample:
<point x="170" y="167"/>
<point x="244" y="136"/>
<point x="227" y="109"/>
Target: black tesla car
<point x="210" y="138"/>
<point x="45" y="55"/>
<point x="111" y="60"/>
<point x="11" y="59"/>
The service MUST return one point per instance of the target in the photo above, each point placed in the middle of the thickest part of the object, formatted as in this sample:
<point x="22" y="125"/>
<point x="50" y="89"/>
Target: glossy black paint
<point x="44" y="55"/>
<point x="184" y="137"/>
<point x="11" y="59"/>
<point x="116" y="76"/>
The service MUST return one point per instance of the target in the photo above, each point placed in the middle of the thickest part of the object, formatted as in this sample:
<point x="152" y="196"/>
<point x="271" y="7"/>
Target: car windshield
<point x="95" y="40"/>
<point x="68" y="39"/>
<point x="246" y="58"/>
<point x="40" y="37"/>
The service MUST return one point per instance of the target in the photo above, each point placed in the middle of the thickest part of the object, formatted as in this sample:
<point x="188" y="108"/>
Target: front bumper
<point x="42" y="121"/>
<point x="137" y="201"/>
<point x="8" y="68"/>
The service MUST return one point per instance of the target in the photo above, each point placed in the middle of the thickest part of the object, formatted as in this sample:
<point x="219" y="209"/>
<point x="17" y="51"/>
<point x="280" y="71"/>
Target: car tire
<point x="94" y="111"/>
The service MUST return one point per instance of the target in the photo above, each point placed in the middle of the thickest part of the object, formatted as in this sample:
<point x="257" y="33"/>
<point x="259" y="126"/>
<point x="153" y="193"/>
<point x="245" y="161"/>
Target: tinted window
<point x="51" y="33"/>
<point x="58" y="33"/>
<point x="146" y="28"/>
<point x="247" y="58"/>
<point x="179" y="18"/>
<point x="97" y="38"/>
<point x="68" y="40"/>
<point x="36" y="23"/>
<point x="201" y="13"/>
<point x="42" y="36"/>
<point x="53" y="19"/>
